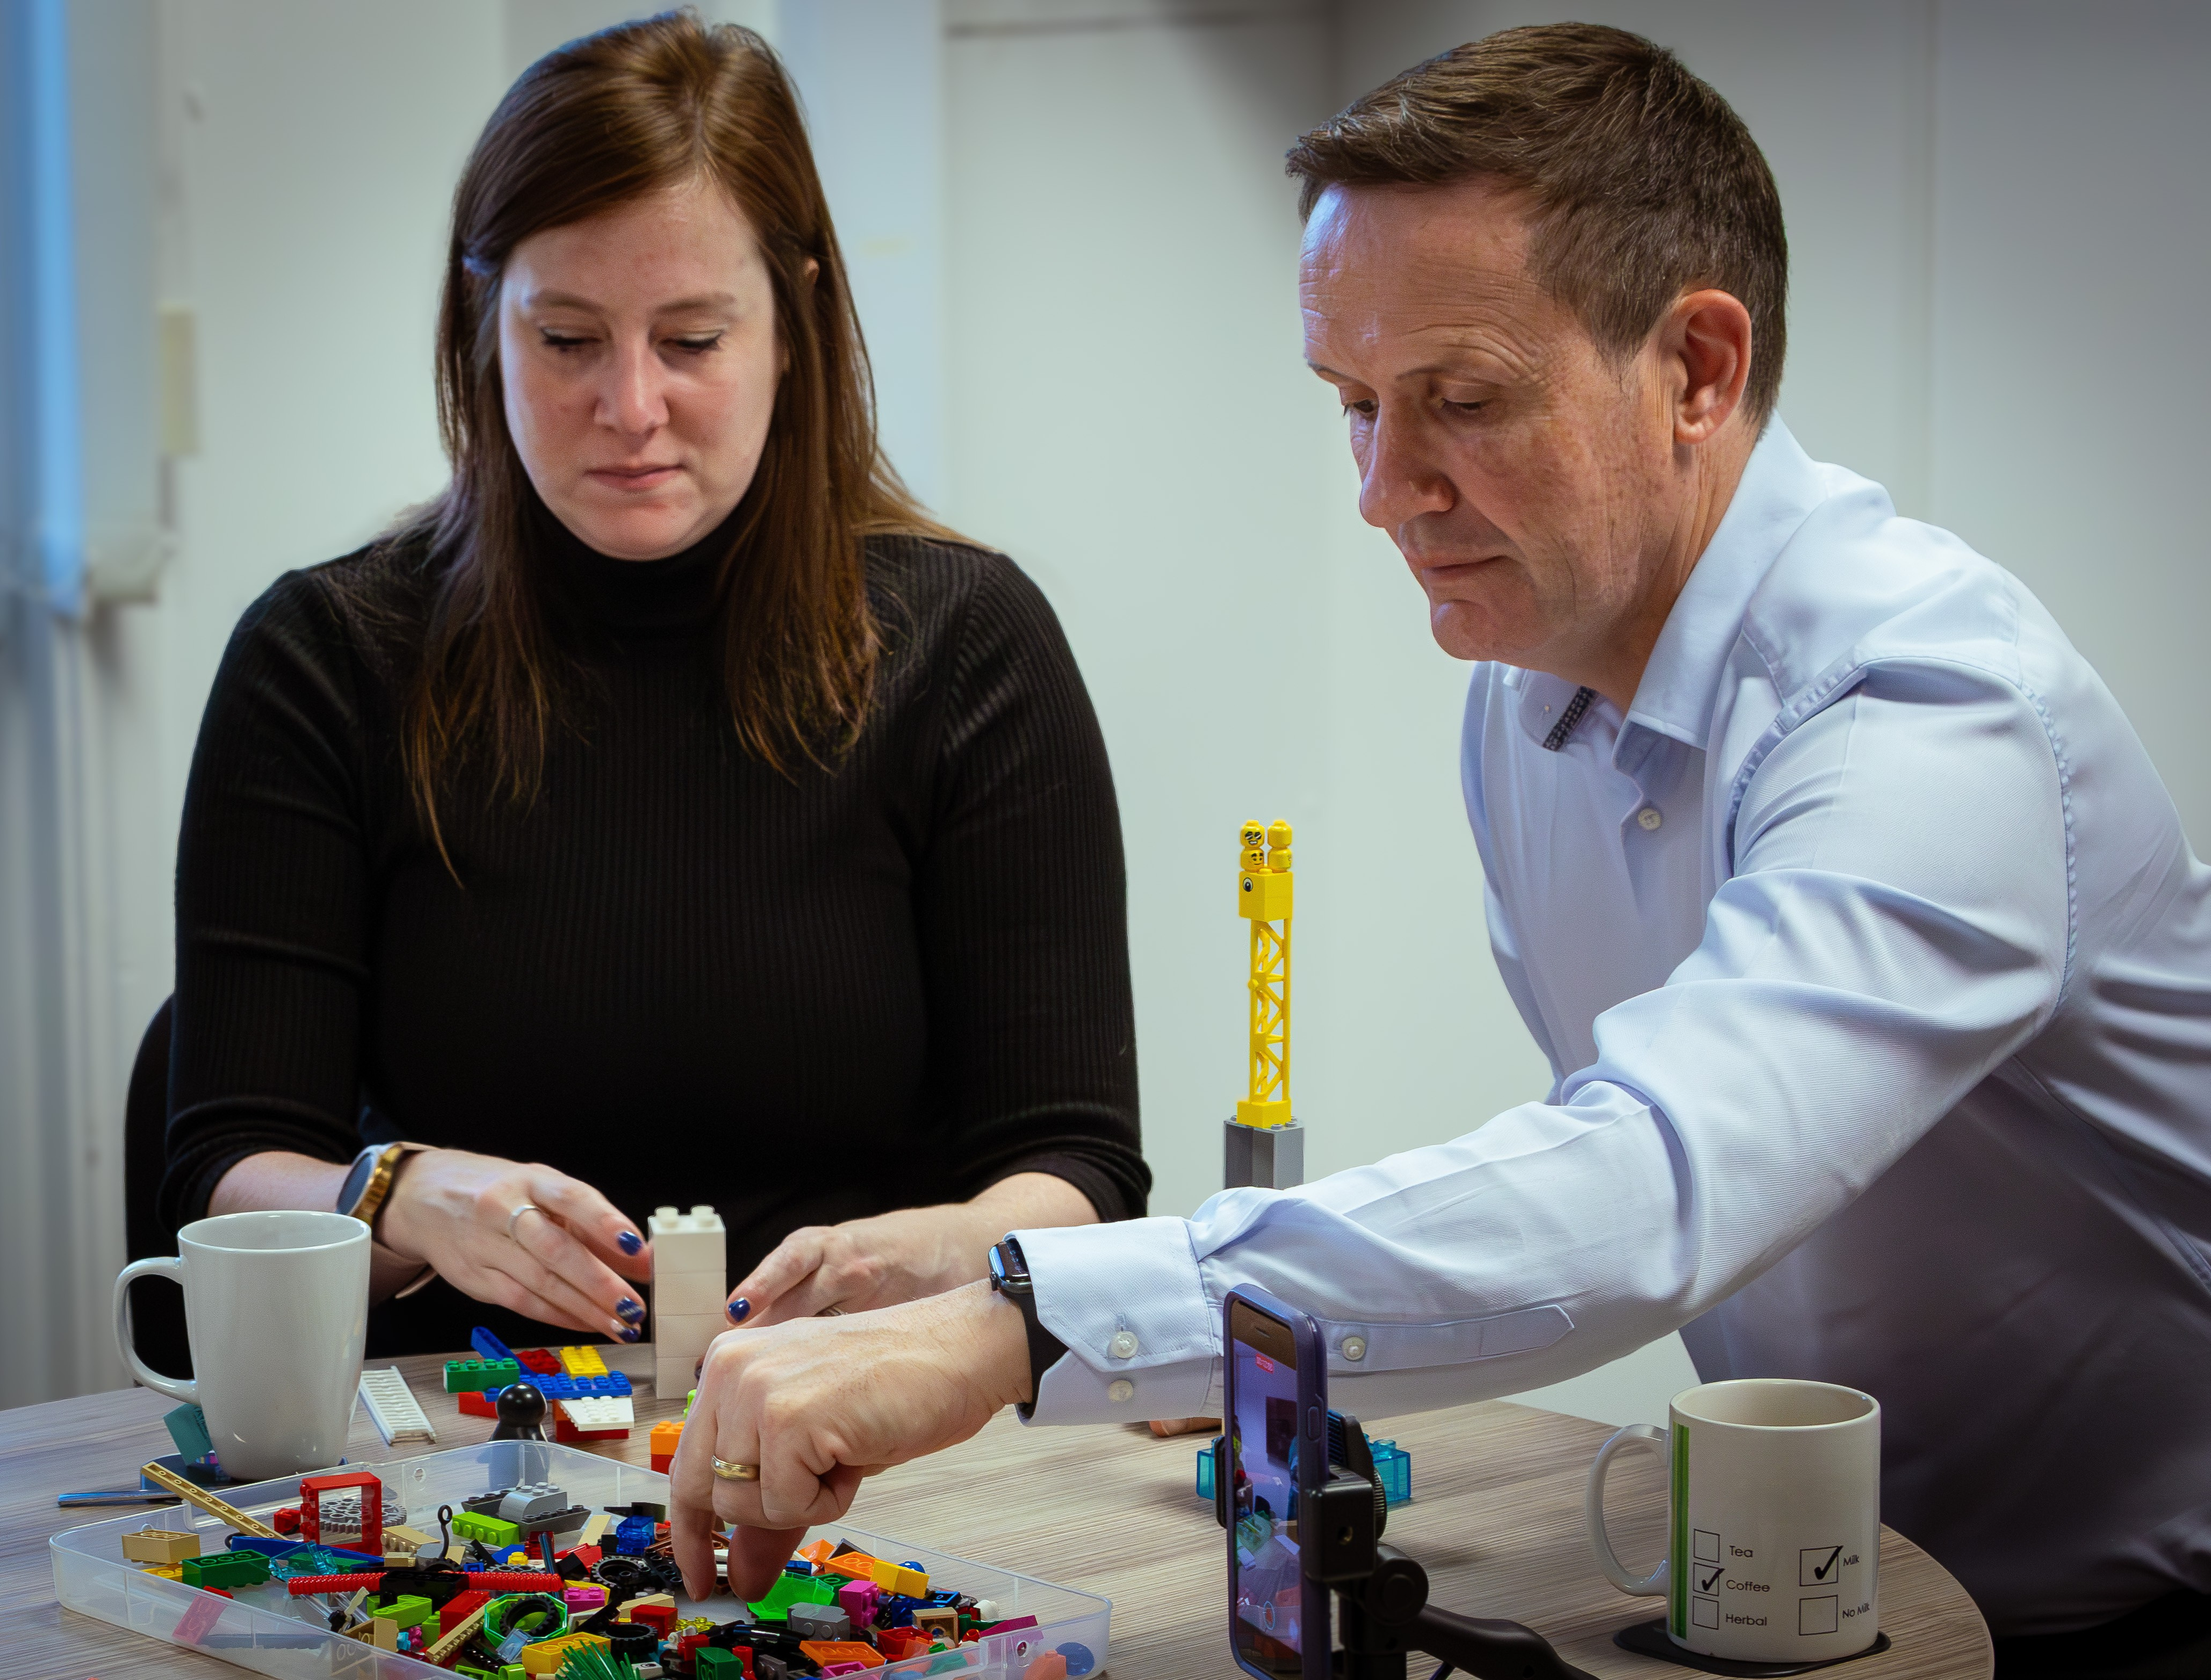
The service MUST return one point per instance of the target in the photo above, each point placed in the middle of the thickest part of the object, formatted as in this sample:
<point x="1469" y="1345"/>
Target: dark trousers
<point x="2167" y="1638"/>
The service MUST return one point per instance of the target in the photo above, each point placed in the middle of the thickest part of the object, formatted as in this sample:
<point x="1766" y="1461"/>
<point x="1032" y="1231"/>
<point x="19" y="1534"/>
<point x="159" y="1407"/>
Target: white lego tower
<point x="690" y="1291"/>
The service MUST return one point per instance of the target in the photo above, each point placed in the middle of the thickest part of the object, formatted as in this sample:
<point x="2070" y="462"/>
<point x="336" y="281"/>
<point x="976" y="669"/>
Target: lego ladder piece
<point x="393" y="1408"/>
<point x="192" y="1494"/>
<point x="690" y="1286"/>
<point x="1262" y="1144"/>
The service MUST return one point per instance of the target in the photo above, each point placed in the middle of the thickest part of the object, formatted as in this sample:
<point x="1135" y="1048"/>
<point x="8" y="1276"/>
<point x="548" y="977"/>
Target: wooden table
<point x="1496" y="1518"/>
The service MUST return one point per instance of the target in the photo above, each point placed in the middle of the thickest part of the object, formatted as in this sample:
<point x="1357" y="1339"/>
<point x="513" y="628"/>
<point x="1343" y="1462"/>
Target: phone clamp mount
<point x="1382" y="1595"/>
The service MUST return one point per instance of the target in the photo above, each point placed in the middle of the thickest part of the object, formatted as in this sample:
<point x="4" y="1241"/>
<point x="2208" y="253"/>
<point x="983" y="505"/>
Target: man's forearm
<point x="279" y="1179"/>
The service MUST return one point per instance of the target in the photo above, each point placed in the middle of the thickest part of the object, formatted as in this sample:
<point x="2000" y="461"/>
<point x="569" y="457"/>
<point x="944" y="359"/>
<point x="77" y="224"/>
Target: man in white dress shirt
<point x="1872" y="963"/>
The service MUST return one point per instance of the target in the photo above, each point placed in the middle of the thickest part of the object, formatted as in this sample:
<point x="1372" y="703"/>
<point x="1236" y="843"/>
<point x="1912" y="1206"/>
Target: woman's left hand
<point x="902" y="1256"/>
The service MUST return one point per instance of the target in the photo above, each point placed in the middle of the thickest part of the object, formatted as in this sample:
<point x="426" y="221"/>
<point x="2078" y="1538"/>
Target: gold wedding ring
<point x="736" y="1472"/>
<point x="527" y="1207"/>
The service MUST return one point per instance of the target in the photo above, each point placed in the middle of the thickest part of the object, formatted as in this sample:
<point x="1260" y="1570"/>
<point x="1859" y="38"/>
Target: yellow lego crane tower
<point x="1264" y="1145"/>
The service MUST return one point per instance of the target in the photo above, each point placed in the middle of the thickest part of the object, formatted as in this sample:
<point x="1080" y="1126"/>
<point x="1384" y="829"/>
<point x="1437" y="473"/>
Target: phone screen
<point x="1266" y="1588"/>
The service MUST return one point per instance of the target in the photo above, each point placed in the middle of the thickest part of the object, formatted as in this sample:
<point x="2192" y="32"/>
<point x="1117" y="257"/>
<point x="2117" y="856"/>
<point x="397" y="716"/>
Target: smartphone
<point x="1274" y="1459"/>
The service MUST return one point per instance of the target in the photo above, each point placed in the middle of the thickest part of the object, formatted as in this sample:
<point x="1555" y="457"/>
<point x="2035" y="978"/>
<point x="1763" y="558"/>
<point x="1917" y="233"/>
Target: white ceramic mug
<point x="277" y="1309"/>
<point x="1773" y="1520"/>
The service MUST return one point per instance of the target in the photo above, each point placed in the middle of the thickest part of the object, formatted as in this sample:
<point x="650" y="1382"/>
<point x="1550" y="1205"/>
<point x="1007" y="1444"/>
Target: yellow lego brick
<point x="165" y="1571"/>
<point x="1264" y="897"/>
<point x="582" y="1361"/>
<point x="547" y="1655"/>
<point x="897" y="1578"/>
<point x="1262" y="1116"/>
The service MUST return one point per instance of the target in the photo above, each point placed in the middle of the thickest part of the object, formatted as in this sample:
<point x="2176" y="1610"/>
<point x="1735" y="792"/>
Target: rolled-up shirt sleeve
<point x="1898" y="921"/>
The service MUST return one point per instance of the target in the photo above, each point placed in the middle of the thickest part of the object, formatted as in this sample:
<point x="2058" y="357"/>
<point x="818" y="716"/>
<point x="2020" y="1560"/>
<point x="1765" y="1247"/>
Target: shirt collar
<point x="1779" y="487"/>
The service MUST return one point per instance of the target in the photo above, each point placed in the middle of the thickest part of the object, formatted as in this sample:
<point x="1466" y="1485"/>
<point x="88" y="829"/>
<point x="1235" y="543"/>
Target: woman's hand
<point x="559" y="1258"/>
<point x="863" y="1263"/>
<point x="818" y="1405"/>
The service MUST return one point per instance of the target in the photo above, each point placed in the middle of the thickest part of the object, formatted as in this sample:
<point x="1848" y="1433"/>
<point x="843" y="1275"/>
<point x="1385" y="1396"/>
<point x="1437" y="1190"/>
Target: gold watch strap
<point x="380" y="1182"/>
<point x="372" y="1198"/>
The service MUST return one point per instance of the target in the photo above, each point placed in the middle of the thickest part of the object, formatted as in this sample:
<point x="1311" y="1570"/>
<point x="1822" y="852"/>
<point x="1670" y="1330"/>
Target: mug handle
<point x="1652" y="1438"/>
<point x="172" y="1265"/>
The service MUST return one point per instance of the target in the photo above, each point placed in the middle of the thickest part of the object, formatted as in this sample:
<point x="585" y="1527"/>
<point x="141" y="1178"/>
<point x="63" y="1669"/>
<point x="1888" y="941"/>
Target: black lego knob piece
<point x="521" y="1412"/>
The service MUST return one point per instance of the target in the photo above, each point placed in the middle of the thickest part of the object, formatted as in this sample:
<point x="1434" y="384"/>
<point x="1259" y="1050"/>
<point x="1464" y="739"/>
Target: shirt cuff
<point x="1142" y="1337"/>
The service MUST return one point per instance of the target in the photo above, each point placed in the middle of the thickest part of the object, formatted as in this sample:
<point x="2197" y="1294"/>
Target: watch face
<point x="349" y="1193"/>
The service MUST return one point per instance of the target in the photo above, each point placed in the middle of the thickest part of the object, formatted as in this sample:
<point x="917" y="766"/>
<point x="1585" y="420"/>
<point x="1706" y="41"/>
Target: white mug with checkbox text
<point x="1773" y="1520"/>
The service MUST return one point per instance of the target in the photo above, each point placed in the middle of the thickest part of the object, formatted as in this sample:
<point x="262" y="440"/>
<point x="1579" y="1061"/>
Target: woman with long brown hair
<point x="670" y="811"/>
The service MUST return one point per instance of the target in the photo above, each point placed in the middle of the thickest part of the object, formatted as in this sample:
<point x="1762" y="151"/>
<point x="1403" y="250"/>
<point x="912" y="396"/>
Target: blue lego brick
<point x="566" y="1387"/>
<point x="1205" y="1474"/>
<point x="488" y="1346"/>
<point x="633" y="1535"/>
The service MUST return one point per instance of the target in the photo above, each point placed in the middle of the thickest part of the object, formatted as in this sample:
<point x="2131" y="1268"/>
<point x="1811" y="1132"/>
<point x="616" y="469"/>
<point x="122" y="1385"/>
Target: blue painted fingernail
<point x="627" y="1334"/>
<point x="628" y="1309"/>
<point x="630" y="1242"/>
<point x="740" y="1310"/>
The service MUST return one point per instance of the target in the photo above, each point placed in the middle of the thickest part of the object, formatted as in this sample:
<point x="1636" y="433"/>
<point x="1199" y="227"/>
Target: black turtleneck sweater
<point x="675" y="973"/>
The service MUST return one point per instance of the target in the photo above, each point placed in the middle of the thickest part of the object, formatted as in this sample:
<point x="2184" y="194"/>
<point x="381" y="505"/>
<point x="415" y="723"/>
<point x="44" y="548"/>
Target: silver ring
<point x="736" y="1472"/>
<point x="831" y="1312"/>
<point x="527" y="1207"/>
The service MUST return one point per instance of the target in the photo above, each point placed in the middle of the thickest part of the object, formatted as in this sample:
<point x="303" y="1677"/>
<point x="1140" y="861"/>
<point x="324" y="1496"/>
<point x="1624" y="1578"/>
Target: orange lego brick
<point x="824" y="1652"/>
<point x="818" y="1553"/>
<point x="856" y="1564"/>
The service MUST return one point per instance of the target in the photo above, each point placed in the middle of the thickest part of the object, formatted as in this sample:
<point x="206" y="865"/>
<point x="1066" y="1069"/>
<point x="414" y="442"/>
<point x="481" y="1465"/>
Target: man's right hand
<point x="562" y="1261"/>
<point x="818" y="1403"/>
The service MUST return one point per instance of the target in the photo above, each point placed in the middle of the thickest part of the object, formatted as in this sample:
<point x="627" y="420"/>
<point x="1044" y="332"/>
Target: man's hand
<point x="863" y="1263"/>
<point x="818" y="1403"/>
<point x="560" y="1262"/>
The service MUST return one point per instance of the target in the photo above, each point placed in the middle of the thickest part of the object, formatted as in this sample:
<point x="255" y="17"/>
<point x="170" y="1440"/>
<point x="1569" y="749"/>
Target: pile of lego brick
<point x="586" y="1401"/>
<point x="601" y="1603"/>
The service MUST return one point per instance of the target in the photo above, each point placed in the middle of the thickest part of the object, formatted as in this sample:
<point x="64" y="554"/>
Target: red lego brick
<point x="312" y="1489"/>
<point x="473" y="1405"/>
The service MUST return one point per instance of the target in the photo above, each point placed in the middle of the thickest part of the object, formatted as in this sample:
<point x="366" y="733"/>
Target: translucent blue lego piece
<point x="1394" y="1465"/>
<point x="633" y="1535"/>
<point x="488" y="1346"/>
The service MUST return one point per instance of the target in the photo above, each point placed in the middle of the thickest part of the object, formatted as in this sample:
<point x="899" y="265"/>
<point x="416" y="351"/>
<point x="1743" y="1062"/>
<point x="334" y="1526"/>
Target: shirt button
<point x="1124" y="1344"/>
<point x="1354" y="1348"/>
<point x="1121" y="1391"/>
<point x="1649" y="817"/>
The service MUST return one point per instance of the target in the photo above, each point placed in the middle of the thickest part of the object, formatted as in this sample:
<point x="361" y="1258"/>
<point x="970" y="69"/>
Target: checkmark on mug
<point x="1706" y="1583"/>
<point x="1820" y="1565"/>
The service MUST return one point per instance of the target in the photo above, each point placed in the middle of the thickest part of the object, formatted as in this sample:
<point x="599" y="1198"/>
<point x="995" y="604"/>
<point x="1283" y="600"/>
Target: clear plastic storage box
<point x="268" y="1631"/>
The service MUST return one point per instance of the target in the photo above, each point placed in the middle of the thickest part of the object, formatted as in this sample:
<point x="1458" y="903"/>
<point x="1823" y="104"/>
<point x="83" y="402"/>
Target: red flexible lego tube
<point x="489" y="1580"/>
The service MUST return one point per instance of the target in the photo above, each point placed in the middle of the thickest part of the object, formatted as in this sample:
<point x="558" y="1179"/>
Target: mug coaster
<point x="1648" y="1638"/>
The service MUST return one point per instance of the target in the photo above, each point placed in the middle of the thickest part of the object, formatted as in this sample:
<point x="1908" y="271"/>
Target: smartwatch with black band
<point x="1009" y="1276"/>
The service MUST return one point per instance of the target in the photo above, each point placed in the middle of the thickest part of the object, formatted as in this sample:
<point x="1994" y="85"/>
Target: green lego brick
<point x="409" y="1609"/>
<point x="791" y="1590"/>
<point x="474" y="1375"/>
<point x="708" y="1664"/>
<point x="492" y="1531"/>
<point x="226" y="1569"/>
